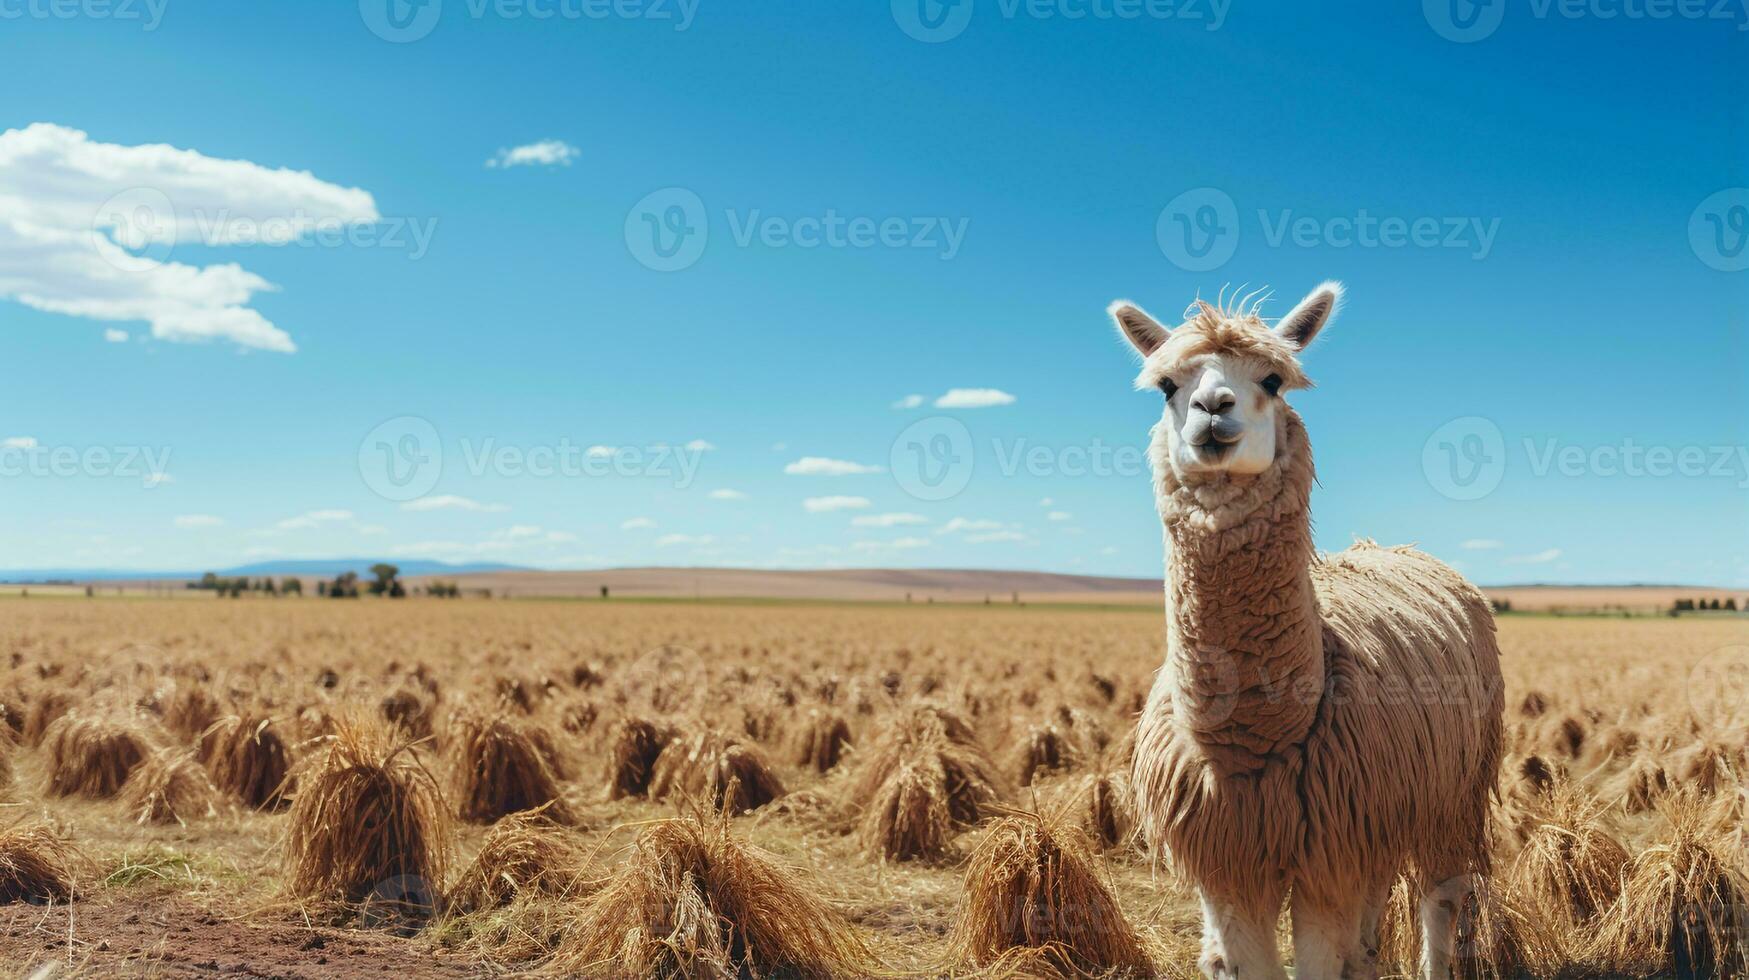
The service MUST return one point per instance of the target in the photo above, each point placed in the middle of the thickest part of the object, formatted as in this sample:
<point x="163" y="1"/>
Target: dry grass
<point x="692" y="899"/>
<point x="525" y="854"/>
<point x="1032" y="891"/>
<point x="824" y="739"/>
<point x="367" y="829"/>
<point x="1571" y="865"/>
<point x="632" y="752"/>
<point x="925" y="778"/>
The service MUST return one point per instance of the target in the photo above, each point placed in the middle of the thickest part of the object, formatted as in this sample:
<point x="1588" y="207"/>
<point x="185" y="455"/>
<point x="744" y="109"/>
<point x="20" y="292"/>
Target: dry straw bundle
<point x="525" y="854"/>
<point x="247" y="758"/>
<point x="823" y="741"/>
<point x="1685" y="902"/>
<point x="36" y="865"/>
<point x="1100" y="804"/>
<point x="367" y="824"/>
<point x="1570" y="867"/>
<point x="1033" y="900"/>
<point x="717" y="770"/>
<point x="925" y="778"/>
<point x="46" y="707"/>
<point x="92" y="756"/>
<point x="1045" y="749"/>
<point x="632" y="752"/>
<point x="1497" y="936"/>
<point x="169" y="787"/>
<point x="692" y="900"/>
<point x="502" y="767"/>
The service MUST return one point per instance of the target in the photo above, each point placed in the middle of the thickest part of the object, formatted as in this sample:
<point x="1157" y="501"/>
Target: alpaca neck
<point x="1245" y="655"/>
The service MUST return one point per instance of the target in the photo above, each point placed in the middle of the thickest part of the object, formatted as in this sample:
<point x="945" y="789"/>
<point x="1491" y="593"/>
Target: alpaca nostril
<point x="1214" y="402"/>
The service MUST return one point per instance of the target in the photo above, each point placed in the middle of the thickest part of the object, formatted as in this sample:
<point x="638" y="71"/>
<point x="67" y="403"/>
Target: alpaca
<point x="1319" y="721"/>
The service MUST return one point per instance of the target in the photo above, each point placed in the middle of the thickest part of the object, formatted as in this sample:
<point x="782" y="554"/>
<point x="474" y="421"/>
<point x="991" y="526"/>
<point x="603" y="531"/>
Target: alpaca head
<point x="1223" y="373"/>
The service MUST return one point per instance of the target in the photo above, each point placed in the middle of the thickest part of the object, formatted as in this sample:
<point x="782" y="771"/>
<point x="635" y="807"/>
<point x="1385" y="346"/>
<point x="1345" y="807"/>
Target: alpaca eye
<point x="1169" y="387"/>
<point x="1272" y="385"/>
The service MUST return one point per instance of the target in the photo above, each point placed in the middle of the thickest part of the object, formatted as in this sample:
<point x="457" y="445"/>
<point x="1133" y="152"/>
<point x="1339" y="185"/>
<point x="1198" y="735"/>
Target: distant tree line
<point x="1698" y="605"/>
<point x="385" y="581"/>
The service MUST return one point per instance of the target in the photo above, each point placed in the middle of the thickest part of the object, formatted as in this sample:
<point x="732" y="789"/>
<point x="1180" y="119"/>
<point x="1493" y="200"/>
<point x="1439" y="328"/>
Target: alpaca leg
<point x="1438" y="934"/>
<point x="1326" y="933"/>
<point x="1362" y="962"/>
<point x="1238" y="940"/>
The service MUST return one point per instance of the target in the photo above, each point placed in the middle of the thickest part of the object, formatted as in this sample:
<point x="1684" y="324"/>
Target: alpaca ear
<point x="1305" y="320"/>
<point x="1137" y="327"/>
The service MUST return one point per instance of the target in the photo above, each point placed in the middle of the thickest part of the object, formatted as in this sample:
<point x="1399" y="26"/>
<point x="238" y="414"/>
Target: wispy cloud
<point x="1059" y="515"/>
<point x="636" y="524"/>
<point x="994" y="537"/>
<point x="449" y="501"/>
<point x="959" y="524"/>
<point x="821" y="505"/>
<point x="974" y="398"/>
<point x="545" y="153"/>
<point x="897" y="544"/>
<point x="888" y="520"/>
<point x="727" y="494"/>
<point x="18" y="442"/>
<point x="114" y="336"/>
<point x="698" y="446"/>
<point x="672" y="540"/>
<point x="824" y="466"/>
<point x="196" y="520"/>
<point x="909" y="401"/>
<point x="1482" y="544"/>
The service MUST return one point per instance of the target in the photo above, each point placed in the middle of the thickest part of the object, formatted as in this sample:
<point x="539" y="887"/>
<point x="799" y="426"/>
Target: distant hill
<point x="309" y="568"/>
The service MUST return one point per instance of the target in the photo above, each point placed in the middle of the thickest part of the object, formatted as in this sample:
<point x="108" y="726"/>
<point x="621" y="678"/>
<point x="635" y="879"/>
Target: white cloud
<point x="974" y="398"/>
<point x="698" y="446"/>
<point x="1059" y="515"/>
<point x="897" y="544"/>
<point x="449" y="501"/>
<point x="1482" y="544"/>
<point x="1108" y="550"/>
<point x="909" y="401"/>
<point x="315" y="517"/>
<point x="670" y="540"/>
<point x="114" y="336"/>
<point x="158" y="479"/>
<point x="726" y="494"/>
<point x="372" y="529"/>
<point x="517" y="531"/>
<point x="88" y="228"/>
<point x="821" y="505"/>
<point x="600" y="452"/>
<point x="197" y="520"/>
<point x="995" y="536"/>
<point x="546" y="153"/>
<point x="18" y="442"/>
<point x="1046" y="502"/>
<point x="822" y="466"/>
<point x="888" y="520"/>
<point x="561" y="537"/>
<point x="1540" y="558"/>
<point x="636" y="524"/>
<point x="963" y="524"/>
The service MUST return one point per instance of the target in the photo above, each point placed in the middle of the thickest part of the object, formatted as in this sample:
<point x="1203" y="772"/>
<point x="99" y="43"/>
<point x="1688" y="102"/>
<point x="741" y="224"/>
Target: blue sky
<point x="1540" y="230"/>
